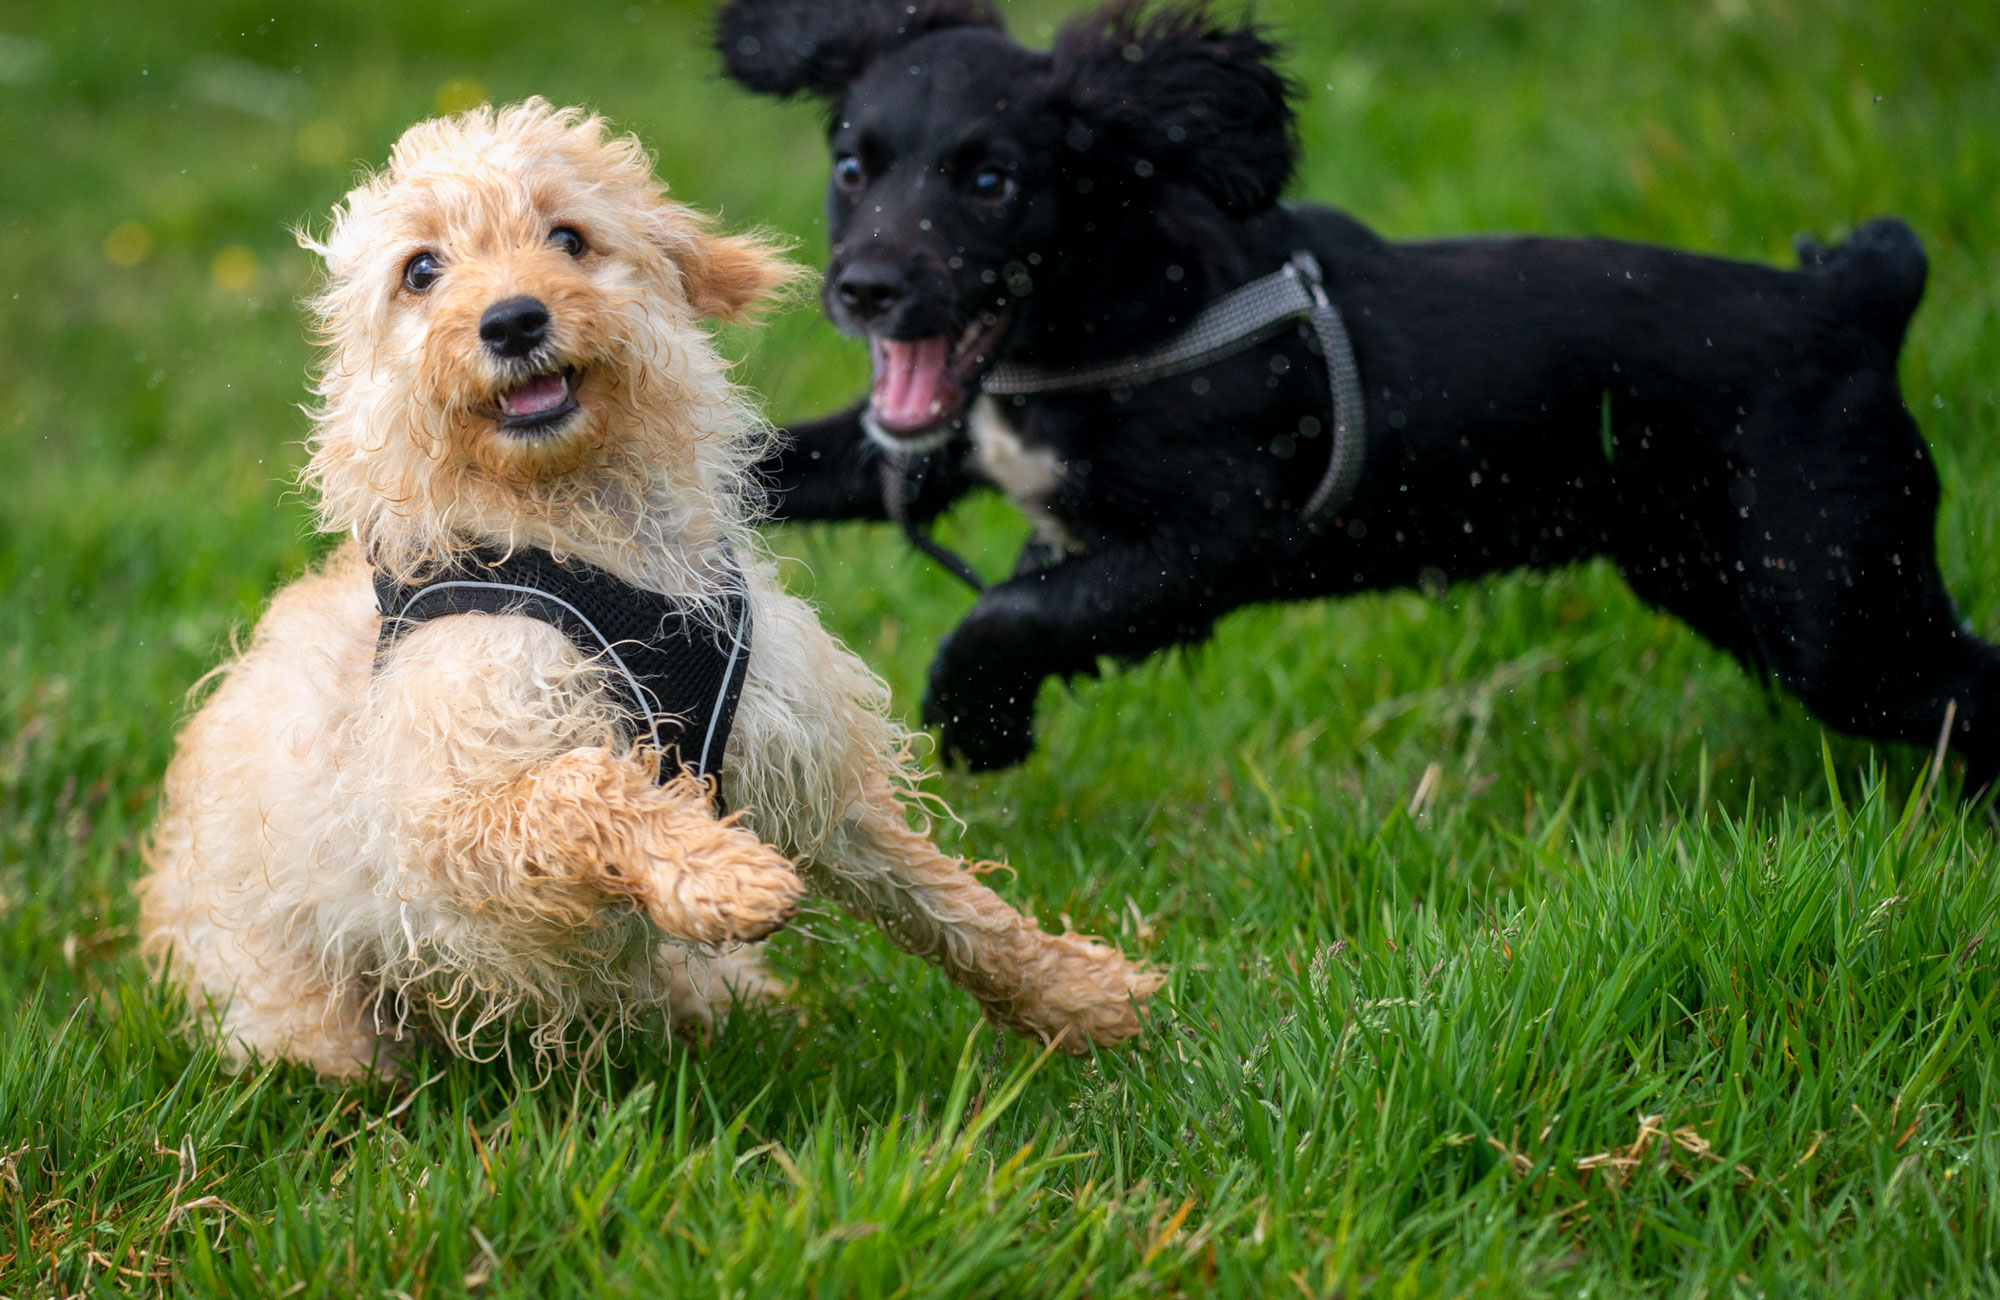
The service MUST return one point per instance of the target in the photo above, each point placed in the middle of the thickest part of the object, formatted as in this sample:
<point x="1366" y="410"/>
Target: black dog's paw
<point x="987" y="727"/>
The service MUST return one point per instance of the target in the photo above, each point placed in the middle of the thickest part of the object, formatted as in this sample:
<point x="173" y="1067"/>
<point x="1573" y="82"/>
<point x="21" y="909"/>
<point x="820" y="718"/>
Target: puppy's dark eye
<point x="991" y="185"/>
<point x="569" y="239"/>
<point x="422" y="271"/>
<point x="847" y="171"/>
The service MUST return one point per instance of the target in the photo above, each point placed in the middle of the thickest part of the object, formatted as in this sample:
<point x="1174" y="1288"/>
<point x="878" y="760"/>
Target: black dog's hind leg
<point x="1839" y="580"/>
<point x="1889" y="668"/>
<point x="1122" y="600"/>
<point x="830" y="469"/>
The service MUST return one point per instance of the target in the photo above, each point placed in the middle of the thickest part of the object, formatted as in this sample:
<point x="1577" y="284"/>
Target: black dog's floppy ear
<point x="790" y="47"/>
<point x="1184" y="95"/>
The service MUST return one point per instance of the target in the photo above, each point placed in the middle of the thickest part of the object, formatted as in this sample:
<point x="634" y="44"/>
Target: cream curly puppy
<point x="459" y="828"/>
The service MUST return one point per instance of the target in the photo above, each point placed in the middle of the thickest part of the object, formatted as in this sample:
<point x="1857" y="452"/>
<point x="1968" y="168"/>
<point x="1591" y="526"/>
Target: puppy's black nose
<point x="868" y="289"/>
<point x="514" y="328"/>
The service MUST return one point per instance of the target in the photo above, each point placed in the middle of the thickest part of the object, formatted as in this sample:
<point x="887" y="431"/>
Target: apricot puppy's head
<point x="514" y="317"/>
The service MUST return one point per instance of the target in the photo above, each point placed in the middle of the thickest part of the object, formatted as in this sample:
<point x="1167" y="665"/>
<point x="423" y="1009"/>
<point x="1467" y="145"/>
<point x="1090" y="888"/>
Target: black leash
<point x="897" y="472"/>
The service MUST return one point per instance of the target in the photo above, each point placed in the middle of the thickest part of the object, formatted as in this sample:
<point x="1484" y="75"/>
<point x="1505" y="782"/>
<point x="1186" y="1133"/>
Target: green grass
<point x="1649" y="993"/>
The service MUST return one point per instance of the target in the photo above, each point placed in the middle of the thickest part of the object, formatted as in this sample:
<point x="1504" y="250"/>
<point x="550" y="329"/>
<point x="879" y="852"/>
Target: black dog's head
<point x="973" y="177"/>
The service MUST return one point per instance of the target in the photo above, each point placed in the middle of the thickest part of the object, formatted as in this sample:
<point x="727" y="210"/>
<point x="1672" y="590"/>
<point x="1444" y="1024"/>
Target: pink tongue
<point x="543" y="393"/>
<point x="910" y="388"/>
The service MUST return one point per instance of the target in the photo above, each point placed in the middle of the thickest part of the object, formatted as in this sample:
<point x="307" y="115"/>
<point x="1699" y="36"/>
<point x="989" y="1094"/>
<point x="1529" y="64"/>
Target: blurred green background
<point x="1218" y="810"/>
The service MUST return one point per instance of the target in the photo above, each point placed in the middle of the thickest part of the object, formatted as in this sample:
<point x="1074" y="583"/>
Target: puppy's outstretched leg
<point x="1056" y="987"/>
<point x="589" y="823"/>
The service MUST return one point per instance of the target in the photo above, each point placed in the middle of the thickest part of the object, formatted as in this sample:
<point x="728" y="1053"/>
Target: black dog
<point x="1732" y="435"/>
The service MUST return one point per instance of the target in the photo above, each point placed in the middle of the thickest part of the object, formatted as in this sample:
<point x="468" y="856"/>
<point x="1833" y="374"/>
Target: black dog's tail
<point x="1876" y="274"/>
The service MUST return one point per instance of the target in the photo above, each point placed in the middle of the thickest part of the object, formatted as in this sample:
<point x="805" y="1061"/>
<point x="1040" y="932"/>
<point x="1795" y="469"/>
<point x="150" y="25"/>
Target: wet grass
<point x="1520" y="943"/>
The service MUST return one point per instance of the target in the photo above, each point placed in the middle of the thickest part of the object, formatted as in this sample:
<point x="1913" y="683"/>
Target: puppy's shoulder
<point x="322" y="623"/>
<point x="340" y="586"/>
<point x="802" y="675"/>
<point x="791" y="650"/>
<point x="812" y="724"/>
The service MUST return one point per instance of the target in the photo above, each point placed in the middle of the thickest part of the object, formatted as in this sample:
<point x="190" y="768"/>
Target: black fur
<point x="1762" y="478"/>
<point x="1198" y="102"/>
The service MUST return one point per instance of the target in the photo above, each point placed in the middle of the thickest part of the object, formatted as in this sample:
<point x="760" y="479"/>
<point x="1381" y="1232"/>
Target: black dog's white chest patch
<point x="1030" y="476"/>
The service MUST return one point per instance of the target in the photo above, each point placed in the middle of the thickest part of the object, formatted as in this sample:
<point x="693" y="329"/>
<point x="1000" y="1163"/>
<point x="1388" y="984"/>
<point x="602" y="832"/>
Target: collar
<point x="1237" y="320"/>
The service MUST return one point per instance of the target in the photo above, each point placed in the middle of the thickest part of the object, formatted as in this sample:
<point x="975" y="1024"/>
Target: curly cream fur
<point x="462" y="837"/>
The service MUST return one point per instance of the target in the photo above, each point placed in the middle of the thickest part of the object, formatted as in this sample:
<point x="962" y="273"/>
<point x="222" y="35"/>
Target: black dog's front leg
<point x="1126" y="601"/>
<point x="830" y="469"/>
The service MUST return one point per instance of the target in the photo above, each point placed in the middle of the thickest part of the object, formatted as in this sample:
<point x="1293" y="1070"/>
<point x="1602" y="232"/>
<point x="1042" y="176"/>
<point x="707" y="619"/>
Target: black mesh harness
<point x="683" y="675"/>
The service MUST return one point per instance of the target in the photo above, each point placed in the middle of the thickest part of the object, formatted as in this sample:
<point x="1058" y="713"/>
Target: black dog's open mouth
<point x="540" y="404"/>
<point x="921" y="385"/>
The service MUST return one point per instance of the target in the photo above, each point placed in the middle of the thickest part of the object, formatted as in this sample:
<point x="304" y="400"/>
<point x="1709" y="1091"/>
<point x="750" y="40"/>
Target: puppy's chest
<point x="1033" y="476"/>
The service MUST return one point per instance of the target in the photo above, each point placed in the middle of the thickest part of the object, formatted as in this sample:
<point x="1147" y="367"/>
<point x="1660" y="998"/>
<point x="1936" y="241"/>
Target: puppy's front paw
<point x="985" y="728"/>
<point x="1081" y="992"/>
<point x="729" y="888"/>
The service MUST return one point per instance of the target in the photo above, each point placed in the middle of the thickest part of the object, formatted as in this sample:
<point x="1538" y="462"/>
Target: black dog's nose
<point x="514" y="328"/>
<point x="869" y="289"/>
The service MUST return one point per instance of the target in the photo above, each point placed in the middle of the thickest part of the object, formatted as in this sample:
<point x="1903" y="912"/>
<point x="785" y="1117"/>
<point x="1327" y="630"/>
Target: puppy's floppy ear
<point x="729" y="277"/>
<point x="1181" y="95"/>
<point x="789" y="47"/>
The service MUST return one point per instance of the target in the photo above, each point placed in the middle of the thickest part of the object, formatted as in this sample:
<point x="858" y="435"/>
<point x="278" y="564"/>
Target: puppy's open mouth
<point x="921" y="385"/>
<point x="540" y="404"/>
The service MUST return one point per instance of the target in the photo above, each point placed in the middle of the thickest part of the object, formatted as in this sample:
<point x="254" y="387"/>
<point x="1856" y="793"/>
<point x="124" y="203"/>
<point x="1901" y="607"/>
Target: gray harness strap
<point x="1239" y="319"/>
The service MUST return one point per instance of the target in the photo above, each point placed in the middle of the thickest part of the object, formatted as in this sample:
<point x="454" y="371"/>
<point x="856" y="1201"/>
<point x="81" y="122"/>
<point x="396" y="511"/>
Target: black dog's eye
<point x="847" y="171"/>
<point x="991" y="185"/>
<point x="569" y="239"/>
<point x="422" y="271"/>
